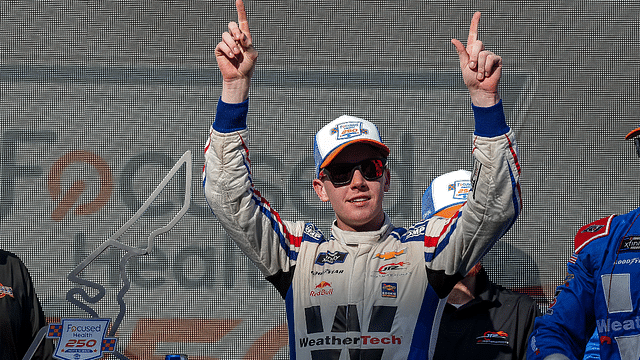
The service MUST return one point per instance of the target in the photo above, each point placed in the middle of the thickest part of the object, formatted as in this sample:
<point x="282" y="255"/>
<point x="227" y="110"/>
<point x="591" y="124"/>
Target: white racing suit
<point x="363" y="295"/>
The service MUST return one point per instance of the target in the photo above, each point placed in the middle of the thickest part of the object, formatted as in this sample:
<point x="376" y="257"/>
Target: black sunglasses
<point x="342" y="174"/>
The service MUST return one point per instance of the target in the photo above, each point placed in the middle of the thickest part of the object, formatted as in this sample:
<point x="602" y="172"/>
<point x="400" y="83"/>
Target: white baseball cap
<point x="340" y="133"/>
<point x="446" y="194"/>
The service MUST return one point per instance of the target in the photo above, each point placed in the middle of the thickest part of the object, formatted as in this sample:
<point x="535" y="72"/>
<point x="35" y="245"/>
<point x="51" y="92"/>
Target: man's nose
<point x="358" y="180"/>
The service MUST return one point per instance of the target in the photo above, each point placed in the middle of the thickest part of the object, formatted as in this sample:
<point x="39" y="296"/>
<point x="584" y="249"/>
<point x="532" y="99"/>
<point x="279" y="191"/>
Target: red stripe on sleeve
<point x="514" y="154"/>
<point x="432" y="241"/>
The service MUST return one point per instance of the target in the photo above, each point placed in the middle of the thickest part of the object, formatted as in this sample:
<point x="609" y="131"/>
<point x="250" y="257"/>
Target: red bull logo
<point x="324" y="288"/>
<point x="323" y="284"/>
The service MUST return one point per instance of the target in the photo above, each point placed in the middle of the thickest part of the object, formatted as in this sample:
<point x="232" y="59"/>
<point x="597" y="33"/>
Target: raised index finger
<point x="242" y="18"/>
<point x="473" y="29"/>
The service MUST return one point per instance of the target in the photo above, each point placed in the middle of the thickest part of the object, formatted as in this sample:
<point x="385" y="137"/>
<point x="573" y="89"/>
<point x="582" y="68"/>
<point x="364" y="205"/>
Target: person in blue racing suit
<point x="599" y="293"/>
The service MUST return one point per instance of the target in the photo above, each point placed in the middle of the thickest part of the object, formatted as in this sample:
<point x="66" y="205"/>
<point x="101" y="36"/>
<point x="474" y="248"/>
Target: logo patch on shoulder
<point x="313" y="232"/>
<point x="592" y="229"/>
<point x="586" y="234"/>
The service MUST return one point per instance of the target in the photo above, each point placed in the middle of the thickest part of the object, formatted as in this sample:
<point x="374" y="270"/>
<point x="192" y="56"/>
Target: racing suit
<point x="600" y="292"/>
<point x="362" y="295"/>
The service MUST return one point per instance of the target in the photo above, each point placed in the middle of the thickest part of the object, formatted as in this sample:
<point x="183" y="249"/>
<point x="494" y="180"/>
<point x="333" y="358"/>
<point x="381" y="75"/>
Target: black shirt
<point x="494" y="325"/>
<point x="21" y="315"/>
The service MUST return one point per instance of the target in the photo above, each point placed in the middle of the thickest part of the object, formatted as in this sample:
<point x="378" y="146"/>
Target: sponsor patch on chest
<point x="493" y="338"/>
<point x="323" y="288"/>
<point x="630" y="243"/>
<point x="331" y="257"/>
<point x="390" y="254"/>
<point x="393" y="269"/>
<point x="6" y="291"/>
<point x="389" y="290"/>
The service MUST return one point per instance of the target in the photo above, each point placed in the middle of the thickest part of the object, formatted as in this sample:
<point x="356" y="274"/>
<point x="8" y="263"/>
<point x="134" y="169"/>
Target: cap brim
<point x="336" y="151"/>
<point x="632" y="134"/>
<point x="449" y="211"/>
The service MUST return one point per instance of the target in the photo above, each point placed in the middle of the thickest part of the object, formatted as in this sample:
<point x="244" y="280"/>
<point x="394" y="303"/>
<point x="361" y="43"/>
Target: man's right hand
<point x="236" y="58"/>
<point x="481" y="69"/>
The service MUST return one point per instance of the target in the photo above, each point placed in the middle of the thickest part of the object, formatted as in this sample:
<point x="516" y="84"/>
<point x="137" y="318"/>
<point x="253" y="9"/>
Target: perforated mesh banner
<point x="100" y="100"/>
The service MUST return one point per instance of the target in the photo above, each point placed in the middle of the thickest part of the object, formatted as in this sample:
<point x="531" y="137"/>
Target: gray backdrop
<point x="120" y="90"/>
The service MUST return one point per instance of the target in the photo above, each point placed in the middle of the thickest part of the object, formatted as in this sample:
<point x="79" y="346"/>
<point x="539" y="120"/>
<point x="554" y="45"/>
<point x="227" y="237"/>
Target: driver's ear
<point x="320" y="190"/>
<point x="387" y="180"/>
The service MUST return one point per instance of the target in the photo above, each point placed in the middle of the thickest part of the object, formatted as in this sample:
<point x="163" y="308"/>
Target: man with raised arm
<point x="368" y="290"/>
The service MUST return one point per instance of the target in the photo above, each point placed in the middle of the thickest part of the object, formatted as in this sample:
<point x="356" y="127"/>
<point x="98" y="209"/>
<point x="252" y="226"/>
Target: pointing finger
<point x="473" y="28"/>
<point x="242" y="18"/>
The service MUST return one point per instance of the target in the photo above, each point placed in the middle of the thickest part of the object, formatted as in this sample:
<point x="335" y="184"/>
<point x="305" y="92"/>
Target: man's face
<point x="358" y="205"/>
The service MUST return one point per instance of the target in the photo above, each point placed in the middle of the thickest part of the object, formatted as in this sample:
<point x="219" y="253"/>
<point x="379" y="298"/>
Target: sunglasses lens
<point x="341" y="174"/>
<point x="372" y="169"/>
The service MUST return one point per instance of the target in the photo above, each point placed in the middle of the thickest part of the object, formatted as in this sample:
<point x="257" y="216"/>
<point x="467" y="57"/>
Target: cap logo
<point x="349" y="130"/>
<point x="460" y="189"/>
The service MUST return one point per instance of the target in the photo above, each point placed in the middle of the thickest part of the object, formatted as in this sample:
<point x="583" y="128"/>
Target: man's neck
<point x="463" y="291"/>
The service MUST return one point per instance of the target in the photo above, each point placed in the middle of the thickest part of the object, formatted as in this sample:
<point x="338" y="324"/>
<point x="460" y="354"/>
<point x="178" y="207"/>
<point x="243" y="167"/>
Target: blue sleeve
<point x="490" y="121"/>
<point x="570" y="320"/>
<point x="231" y="117"/>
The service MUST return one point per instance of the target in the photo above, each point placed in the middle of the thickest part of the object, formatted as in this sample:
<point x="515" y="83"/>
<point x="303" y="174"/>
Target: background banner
<point x="99" y="100"/>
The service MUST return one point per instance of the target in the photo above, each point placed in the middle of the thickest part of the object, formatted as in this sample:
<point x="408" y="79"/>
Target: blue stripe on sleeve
<point x="288" y="301"/>
<point x="490" y="121"/>
<point x="231" y="117"/>
<point x="427" y="325"/>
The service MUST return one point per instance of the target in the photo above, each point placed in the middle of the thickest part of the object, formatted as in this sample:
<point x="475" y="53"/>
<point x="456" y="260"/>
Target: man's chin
<point x="364" y="223"/>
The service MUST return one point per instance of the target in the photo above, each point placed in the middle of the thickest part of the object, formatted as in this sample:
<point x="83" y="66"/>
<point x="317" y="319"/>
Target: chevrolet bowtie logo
<point x="390" y="255"/>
